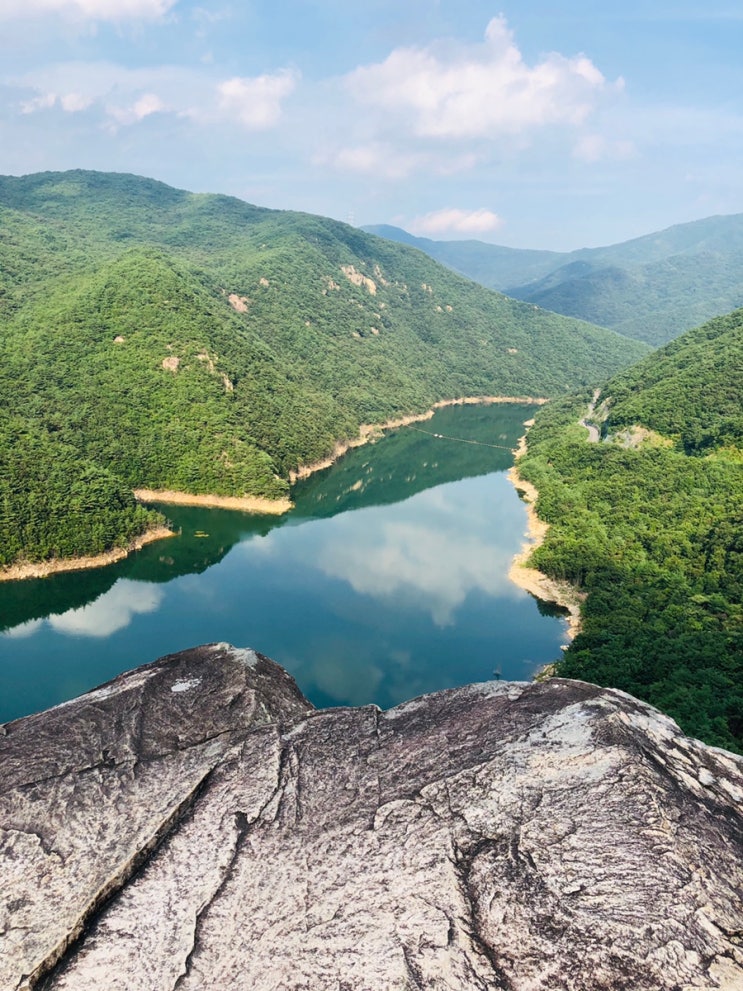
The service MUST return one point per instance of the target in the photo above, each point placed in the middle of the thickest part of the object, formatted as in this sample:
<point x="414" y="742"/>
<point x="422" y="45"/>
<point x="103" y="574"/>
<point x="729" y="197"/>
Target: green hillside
<point x="198" y="343"/>
<point x="492" y="265"/>
<point x="653" y="302"/>
<point x="650" y="523"/>
<point x="691" y="391"/>
<point x="651" y="288"/>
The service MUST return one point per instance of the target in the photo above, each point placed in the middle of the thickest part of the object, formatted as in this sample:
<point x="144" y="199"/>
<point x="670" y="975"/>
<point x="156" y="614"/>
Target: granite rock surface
<point x="195" y="824"/>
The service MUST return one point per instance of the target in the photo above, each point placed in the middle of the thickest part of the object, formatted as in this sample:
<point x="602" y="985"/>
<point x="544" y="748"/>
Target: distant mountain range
<point x="153" y="338"/>
<point x="651" y="288"/>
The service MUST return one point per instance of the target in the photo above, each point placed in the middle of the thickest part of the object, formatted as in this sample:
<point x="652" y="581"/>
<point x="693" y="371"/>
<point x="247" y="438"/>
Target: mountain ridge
<point x="197" y="343"/>
<point x="652" y="287"/>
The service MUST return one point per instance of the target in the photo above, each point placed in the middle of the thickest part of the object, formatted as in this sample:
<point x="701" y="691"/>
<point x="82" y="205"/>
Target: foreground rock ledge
<point x="195" y="824"/>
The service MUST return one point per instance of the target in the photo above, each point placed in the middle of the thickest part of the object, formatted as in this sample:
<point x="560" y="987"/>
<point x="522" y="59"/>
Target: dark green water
<point x="389" y="579"/>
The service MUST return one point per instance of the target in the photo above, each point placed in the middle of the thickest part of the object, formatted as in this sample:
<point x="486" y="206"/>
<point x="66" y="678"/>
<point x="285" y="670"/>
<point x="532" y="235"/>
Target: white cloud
<point x="125" y="97"/>
<point x="111" y="612"/>
<point x="69" y="102"/>
<point x="429" y="554"/>
<point x="44" y="101"/>
<point x="256" y="101"/>
<point x="375" y="158"/>
<point x="75" y="102"/>
<point x="453" y="221"/>
<point x="96" y="10"/>
<point x="147" y="104"/>
<point x="482" y="91"/>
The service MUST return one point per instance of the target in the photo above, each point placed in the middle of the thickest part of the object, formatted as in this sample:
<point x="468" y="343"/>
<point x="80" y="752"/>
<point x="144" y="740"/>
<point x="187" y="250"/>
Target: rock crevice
<point x="196" y="824"/>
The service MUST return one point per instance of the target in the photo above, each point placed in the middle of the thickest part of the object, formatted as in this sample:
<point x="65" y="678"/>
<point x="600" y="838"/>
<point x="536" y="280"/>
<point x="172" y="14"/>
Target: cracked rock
<point x="195" y="824"/>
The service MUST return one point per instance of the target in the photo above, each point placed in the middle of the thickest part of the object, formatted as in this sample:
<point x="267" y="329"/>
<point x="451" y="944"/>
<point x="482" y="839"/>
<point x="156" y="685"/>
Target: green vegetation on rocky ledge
<point x="154" y="338"/>
<point x="649" y="522"/>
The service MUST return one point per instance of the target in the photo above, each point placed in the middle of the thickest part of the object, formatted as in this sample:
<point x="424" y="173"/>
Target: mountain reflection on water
<point x="388" y="579"/>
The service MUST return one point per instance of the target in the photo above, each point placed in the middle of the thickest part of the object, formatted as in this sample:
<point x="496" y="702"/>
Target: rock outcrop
<point x="195" y="824"/>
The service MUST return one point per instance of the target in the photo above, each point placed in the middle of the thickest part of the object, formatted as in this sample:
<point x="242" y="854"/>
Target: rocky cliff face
<point x="194" y="824"/>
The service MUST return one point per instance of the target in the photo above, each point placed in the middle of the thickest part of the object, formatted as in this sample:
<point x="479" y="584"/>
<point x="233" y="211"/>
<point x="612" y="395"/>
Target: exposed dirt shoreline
<point x="248" y="504"/>
<point x="373" y="431"/>
<point x="548" y="589"/>
<point x="42" y="569"/>
<point x="256" y="504"/>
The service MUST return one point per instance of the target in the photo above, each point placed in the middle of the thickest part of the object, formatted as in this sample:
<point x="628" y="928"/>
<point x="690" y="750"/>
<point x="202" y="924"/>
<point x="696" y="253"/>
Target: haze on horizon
<point x="511" y="123"/>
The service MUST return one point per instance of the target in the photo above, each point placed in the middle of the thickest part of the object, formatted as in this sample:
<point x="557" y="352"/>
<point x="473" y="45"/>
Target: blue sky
<point x="529" y="124"/>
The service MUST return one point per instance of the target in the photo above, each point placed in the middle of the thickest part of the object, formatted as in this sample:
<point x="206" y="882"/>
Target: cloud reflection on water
<point x="429" y="553"/>
<point x="111" y="612"/>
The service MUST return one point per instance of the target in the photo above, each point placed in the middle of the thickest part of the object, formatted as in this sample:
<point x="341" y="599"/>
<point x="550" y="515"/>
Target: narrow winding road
<point x="593" y="432"/>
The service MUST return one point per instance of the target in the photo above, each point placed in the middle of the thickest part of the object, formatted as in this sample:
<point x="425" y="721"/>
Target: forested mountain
<point x="649" y="522"/>
<point x="492" y="265"/>
<point x="651" y="288"/>
<point x="160" y="339"/>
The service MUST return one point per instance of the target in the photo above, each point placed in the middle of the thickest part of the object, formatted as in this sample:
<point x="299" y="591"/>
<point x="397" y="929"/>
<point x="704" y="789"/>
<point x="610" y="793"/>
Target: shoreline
<point x="532" y="580"/>
<point x="43" y="569"/>
<point x="373" y="431"/>
<point x="248" y="504"/>
<point x="277" y="507"/>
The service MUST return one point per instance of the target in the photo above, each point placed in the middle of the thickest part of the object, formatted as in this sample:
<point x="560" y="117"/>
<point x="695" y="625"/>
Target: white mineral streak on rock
<point x="135" y="680"/>
<point x="185" y="686"/>
<point x="491" y="689"/>
<point x="244" y="654"/>
<point x="530" y="837"/>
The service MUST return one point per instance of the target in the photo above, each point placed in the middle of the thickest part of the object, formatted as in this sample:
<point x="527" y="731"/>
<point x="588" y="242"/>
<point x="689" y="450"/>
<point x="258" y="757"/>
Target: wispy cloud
<point x="94" y="10"/>
<point x="124" y="97"/>
<point x="596" y="147"/>
<point x="143" y="106"/>
<point x="256" y="102"/>
<point x="375" y="158"/>
<point x="453" y="221"/>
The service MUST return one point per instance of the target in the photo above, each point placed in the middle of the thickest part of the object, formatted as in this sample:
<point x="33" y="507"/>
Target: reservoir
<point x="388" y="579"/>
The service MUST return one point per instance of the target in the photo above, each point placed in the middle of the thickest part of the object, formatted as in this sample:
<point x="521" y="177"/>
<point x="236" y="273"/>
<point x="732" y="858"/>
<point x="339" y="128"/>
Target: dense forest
<point x="154" y="338"/>
<point x="649" y="522"/>
<point x="651" y="288"/>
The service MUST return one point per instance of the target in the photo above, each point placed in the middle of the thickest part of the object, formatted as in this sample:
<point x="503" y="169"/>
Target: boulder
<point x="196" y="824"/>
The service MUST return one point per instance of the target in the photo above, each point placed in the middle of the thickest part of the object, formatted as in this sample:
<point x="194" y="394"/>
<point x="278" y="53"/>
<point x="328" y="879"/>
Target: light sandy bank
<point x="373" y="431"/>
<point x="536" y="582"/>
<point x="248" y="504"/>
<point x="42" y="569"/>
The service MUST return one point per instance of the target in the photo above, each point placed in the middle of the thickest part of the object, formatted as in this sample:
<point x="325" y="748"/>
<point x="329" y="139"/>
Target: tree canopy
<point x="169" y="340"/>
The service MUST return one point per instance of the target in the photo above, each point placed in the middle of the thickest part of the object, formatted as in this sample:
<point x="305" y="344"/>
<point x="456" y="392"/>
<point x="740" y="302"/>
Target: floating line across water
<point x="460" y="440"/>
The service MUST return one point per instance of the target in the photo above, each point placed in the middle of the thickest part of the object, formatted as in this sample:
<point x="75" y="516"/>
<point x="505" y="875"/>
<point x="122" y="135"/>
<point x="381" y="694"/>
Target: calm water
<point x="389" y="579"/>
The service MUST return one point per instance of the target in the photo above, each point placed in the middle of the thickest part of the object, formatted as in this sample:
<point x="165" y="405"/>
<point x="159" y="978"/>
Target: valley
<point x="371" y="496"/>
<point x="157" y="339"/>
<point x="197" y="349"/>
<point x="388" y="578"/>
